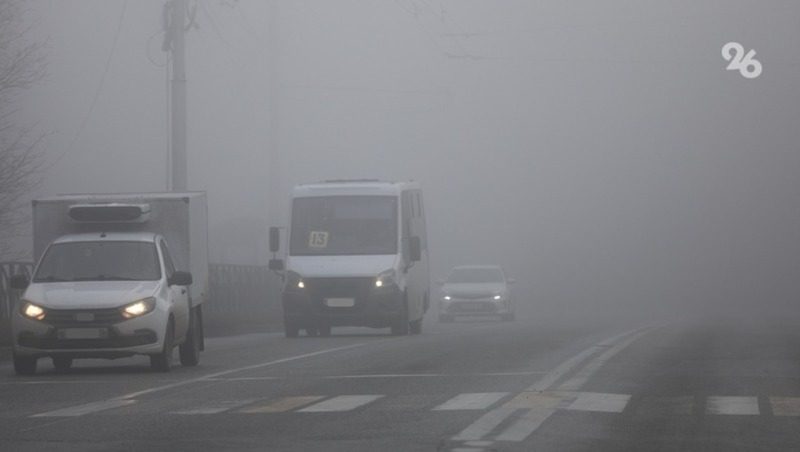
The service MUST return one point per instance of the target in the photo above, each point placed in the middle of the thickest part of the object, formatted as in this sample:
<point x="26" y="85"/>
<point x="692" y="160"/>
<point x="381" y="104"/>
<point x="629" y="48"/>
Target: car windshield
<point x="99" y="261"/>
<point x="344" y="225"/>
<point x="475" y="275"/>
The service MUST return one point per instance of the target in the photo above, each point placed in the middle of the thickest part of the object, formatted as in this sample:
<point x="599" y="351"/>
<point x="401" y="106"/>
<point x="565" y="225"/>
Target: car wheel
<point x="312" y="332"/>
<point x="325" y="330"/>
<point x="25" y="365"/>
<point x="416" y="327"/>
<point x="162" y="362"/>
<point x="62" y="363"/>
<point x="189" y="351"/>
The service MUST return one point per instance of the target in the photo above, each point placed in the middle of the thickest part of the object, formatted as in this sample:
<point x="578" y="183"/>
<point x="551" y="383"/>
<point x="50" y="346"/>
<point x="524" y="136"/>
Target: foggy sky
<point x="599" y="151"/>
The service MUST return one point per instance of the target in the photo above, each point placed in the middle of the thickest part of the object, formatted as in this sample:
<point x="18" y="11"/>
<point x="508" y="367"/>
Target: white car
<point x="104" y="295"/>
<point x="476" y="290"/>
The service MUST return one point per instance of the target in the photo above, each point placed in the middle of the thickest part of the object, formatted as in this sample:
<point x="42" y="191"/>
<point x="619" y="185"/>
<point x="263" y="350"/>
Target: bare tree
<point x="21" y="66"/>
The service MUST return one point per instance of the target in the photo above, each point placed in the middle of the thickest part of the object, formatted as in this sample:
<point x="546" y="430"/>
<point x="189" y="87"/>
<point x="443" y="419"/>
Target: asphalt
<point x="532" y="384"/>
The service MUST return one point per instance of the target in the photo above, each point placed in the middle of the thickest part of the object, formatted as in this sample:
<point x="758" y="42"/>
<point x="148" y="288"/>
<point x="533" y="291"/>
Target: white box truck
<point x="116" y="275"/>
<point x="357" y="256"/>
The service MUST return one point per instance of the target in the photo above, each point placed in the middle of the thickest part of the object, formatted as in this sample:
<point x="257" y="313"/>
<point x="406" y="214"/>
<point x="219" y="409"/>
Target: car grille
<point x="474" y="306"/>
<point x="63" y="318"/>
<point x="473" y="296"/>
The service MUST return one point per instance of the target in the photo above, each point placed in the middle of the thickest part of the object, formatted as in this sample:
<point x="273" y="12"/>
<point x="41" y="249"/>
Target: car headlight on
<point x="447" y="297"/>
<point x="294" y="282"/>
<point x="33" y="311"/>
<point x="498" y="297"/>
<point x="139" y="308"/>
<point x="385" y="279"/>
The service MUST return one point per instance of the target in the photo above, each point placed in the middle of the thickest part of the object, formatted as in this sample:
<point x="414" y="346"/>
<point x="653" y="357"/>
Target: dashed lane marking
<point x="594" y="401"/>
<point x="472" y="401"/>
<point x="732" y="405"/>
<point x="341" y="403"/>
<point x="283" y="404"/>
<point x="665" y="406"/>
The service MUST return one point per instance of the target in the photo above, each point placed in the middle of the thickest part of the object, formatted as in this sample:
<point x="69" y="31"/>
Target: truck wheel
<point x="325" y="330"/>
<point x="24" y="365"/>
<point x="162" y="362"/>
<point x="190" y="349"/>
<point x="290" y="328"/>
<point x="400" y="325"/>
<point x="415" y="327"/>
<point x="62" y="363"/>
<point x="312" y="331"/>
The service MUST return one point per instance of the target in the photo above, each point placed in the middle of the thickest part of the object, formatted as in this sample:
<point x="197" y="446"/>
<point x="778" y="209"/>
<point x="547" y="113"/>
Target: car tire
<point x="25" y="365"/>
<point x="162" y="362"/>
<point x="290" y="328"/>
<point x="325" y="330"/>
<point x="62" y="363"/>
<point x="401" y="324"/>
<point x="189" y="351"/>
<point x="312" y="332"/>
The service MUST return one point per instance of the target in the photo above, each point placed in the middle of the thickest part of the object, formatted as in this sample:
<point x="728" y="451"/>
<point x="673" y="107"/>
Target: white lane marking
<point x="785" y="406"/>
<point x="283" y="404"/>
<point x="525" y="425"/>
<point x="578" y="380"/>
<point x="238" y="369"/>
<point x="471" y="401"/>
<point x="485" y="424"/>
<point x="595" y="401"/>
<point x="542" y="400"/>
<point x="246" y="379"/>
<point x="665" y="406"/>
<point x="88" y="408"/>
<point x="127" y="398"/>
<point x="341" y="403"/>
<point x="215" y="407"/>
<point x="732" y="405"/>
<point x="486" y="374"/>
<point x="533" y="419"/>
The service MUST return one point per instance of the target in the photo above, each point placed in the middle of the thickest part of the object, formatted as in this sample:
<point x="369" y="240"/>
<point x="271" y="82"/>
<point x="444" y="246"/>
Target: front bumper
<point x="475" y="308"/>
<point x="142" y="335"/>
<point x="371" y="308"/>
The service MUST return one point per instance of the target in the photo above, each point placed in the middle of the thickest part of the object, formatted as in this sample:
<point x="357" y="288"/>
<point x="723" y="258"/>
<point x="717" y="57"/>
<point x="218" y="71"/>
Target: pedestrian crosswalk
<point x="499" y="406"/>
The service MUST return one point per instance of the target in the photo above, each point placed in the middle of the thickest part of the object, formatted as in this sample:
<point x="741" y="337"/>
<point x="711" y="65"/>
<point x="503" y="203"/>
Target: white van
<point x="357" y="256"/>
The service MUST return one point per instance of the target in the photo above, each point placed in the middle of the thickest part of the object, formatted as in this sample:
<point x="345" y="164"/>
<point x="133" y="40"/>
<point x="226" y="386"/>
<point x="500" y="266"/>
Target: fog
<point x="599" y="151"/>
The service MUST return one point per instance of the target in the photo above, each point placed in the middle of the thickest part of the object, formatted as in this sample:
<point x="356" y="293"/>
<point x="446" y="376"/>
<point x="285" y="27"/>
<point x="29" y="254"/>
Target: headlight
<point x="447" y="297"/>
<point x="139" y="308"/>
<point x="385" y="279"/>
<point x="294" y="282"/>
<point x="498" y="297"/>
<point x="32" y="311"/>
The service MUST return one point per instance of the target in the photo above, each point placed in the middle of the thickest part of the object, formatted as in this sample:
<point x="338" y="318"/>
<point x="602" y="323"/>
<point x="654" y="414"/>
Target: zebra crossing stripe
<point x="215" y="407"/>
<point x="785" y="406"/>
<point x="283" y="404"/>
<point x="595" y="401"/>
<point x="341" y="403"/>
<point x="471" y="401"/>
<point x="88" y="408"/>
<point x="732" y="405"/>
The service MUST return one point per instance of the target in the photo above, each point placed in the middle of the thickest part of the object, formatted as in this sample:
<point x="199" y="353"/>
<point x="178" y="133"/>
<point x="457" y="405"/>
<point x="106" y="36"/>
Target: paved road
<point x="526" y="385"/>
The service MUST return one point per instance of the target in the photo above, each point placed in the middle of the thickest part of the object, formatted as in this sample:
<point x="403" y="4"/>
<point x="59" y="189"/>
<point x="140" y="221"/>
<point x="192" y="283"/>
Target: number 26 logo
<point x="748" y="66"/>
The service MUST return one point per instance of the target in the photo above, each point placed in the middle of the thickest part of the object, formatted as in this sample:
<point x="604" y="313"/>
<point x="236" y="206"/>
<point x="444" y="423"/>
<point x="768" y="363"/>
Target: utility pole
<point x="174" y="42"/>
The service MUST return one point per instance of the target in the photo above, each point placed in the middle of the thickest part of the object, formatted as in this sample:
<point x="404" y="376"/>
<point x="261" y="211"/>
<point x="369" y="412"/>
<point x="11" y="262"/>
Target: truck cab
<point x="357" y="256"/>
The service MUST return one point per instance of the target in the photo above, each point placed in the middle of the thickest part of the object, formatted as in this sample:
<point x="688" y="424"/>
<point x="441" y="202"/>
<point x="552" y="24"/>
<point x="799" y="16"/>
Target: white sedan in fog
<point x="476" y="290"/>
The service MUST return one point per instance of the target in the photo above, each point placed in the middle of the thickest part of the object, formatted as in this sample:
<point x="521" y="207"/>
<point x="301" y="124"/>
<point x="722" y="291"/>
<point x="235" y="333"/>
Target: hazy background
<point x="598" y="150"/>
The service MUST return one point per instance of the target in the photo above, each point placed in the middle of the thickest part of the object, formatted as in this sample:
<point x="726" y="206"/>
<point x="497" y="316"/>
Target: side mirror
<point x="511" y="280"/>
<point x="440" y="282"/>
<point x="274" y="239"/>
<point x="18" y="282"/>
<point x="180" y="279"/>
<point x="414" y="249"/>
<point x="276" y="265"/>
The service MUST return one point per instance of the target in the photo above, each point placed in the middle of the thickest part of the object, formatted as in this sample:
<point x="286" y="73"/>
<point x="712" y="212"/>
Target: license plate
<point x="340" y="302"/>
<point x="83" y="333"/>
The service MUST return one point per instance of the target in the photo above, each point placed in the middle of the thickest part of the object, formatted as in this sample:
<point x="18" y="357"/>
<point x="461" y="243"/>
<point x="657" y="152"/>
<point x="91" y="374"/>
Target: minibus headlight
<point x="385" y="279"/>
<point x="294" y="282"/>
<point x="139" y="308"/>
